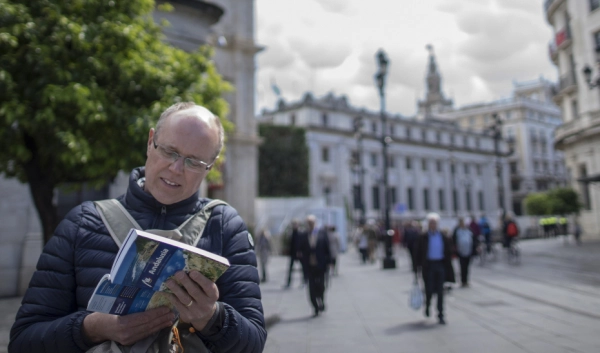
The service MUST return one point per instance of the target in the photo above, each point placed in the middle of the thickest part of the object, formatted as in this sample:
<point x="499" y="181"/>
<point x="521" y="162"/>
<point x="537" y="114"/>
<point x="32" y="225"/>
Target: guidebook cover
<point x="142" y="266"/>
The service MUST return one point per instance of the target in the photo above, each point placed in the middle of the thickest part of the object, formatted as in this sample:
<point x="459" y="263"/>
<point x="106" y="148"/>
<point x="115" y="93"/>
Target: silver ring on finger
<point x="190" y="304"/>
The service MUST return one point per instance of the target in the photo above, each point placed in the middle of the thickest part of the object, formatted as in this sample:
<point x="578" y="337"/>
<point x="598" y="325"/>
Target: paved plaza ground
<point x="548" y="303"/>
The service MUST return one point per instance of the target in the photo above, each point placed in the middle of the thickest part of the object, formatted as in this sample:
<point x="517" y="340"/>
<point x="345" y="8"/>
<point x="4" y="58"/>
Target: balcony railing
<point x="566" y="81"/>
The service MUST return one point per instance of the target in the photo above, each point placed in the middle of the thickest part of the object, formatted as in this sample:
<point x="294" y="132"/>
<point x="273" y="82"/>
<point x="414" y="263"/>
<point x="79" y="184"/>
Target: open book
<point x="136" y="281"/>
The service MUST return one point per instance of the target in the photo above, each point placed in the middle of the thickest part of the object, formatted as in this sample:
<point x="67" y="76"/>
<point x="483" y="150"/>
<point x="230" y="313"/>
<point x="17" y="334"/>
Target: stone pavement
<point x="534" y="307"/>
<point x="549" y="303"/>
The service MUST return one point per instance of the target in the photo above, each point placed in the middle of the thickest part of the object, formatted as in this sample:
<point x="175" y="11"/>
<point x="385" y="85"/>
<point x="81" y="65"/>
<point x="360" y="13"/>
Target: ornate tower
<point x="434" y="102"/>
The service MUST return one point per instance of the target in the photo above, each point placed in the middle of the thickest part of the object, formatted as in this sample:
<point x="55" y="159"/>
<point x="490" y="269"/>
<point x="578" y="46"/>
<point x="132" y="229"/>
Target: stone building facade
<point x="434" y="165"/>
<point x="529" y="119"/>
<point x="575" y="46"/>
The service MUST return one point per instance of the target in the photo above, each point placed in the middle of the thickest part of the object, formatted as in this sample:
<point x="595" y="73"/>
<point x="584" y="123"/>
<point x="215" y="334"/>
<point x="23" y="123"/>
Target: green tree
<point x="537" y="204"/>
<point x="81" y="83"/>
<point x="283" y="161"/>
<point x="564" y="201"/>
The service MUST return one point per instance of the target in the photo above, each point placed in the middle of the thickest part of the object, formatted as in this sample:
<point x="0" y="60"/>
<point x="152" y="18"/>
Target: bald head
<point x="200" y="113"/>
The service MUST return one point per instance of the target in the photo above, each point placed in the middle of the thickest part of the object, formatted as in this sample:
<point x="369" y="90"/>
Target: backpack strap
<point x="116" y="219"/>
<point x="193" y="227"/>
<point x="119" y="222"/>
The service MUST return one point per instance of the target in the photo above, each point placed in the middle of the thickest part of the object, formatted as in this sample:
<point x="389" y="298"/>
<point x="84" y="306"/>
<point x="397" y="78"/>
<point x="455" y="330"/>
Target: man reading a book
<point x="226" y="316"/>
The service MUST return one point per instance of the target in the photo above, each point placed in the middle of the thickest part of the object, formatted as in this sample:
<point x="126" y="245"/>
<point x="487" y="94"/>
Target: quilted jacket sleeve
<point x="244" y="325"/>
<point x="50" y="318"/>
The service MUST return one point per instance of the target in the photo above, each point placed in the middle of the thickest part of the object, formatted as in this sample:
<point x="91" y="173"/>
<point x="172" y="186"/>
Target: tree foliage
<point x="557" y="201"/>
<point x="81" y="83"/>
<point x="283" y="161"/>
<point x="537" y="204"/>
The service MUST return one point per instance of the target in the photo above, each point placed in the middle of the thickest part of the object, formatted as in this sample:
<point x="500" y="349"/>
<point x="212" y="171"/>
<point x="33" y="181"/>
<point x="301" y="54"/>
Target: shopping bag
<point x="415" y="300"/>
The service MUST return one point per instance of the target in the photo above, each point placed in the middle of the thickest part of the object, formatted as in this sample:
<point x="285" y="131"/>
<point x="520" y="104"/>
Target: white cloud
<point x="481" y="46"/>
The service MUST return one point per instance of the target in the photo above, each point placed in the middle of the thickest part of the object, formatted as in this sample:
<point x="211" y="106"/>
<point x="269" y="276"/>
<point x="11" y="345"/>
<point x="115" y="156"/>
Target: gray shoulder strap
<point x="116" y="218"/>
<point x="193" y="227"/>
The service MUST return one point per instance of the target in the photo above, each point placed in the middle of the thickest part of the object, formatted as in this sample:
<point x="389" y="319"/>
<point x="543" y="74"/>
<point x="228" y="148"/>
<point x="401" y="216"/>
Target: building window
<point x="325" y="154"/>
<point x="451" y="139"/>
<point x="515" y="185"/>
<point x="355" y="158"/>
<point x="438" y="166"/>
<point x="513" y="167"/>
<point x="357" y="197"/>
<point x="393" y="198"/>
<point x="471" y="121"/>
<point x="327" y="193"/>
<point x="293" y="119"/>
<point x="441" y="200"/>
<point x="477" y="142"/>
<point x="374" y="127"/>
<point x="466" y="167"/>
<point x="454" y="200"/>
<point x="438" y="136"/>
<point x="409" y="194"/>
<point x="466" y="141"/>
<point x="375" y="197"/>
<point x="452" y="168"/>
<point x="391" y="162"/>
<point x="594" y="4"/>
<point x="508" y="115"/>
<point x="373" y="159"/>
<point x="478" y="169"/>
<point x="391" y="130"/>
<point x="585" y="188"/>
<point x="324" y="119"/>
<point x="424" y="164"/>
<point x="408" y="132"/>
<point x="408" y="163"/>
<point x="424" y="135"/>
<point x="468" y="198"/>
<point x="426" y="199"/>
<point x="481" y="200"/>
<point x="575" y="107"/>
<point x="536" y="167"/>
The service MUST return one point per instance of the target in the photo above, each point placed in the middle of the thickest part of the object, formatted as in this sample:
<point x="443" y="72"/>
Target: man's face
<point x="432" y="225"/>
<point x="190" y="136"/>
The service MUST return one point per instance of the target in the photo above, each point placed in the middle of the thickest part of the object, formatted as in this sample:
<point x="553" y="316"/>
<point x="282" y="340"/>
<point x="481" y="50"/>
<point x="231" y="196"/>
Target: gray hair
<point x="188" y="105"/>
<point x="433" y="217"/>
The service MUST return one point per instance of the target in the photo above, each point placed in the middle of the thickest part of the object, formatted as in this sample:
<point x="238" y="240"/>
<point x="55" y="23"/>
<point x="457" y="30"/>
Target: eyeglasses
<point x="191" y="164"/>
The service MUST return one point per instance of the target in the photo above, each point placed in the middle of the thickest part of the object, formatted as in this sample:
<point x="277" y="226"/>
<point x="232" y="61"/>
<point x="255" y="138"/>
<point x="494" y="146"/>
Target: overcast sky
<point x="329" y="46"/>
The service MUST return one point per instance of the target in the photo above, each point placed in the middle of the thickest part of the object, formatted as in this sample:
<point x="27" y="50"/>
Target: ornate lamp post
<point x="382" y="63"/>
<point x="497" y="134"/>
<point x="587" y="72"/>
<point x="358" y="164"/>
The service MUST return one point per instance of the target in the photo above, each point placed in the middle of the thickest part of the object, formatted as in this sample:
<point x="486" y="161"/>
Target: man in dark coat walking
<point x="434" y="259"/>
<point x="295" y="254"/>
<point x="316" y="253"/>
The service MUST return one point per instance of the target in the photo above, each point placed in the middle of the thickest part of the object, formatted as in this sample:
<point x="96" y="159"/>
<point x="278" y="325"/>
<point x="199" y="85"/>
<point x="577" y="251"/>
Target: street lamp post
<point x="358" y="197"/>
<point x="382" y="62"/>
<point x="497" y="134"/>
<point x="587" y="72"/>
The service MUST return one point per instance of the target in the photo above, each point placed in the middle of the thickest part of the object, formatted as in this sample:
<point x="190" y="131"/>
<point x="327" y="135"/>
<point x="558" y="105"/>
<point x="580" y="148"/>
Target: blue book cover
<point x="142" y="266"/>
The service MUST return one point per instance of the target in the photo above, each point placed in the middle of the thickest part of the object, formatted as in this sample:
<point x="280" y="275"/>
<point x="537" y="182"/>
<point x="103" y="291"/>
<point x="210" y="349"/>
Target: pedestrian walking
<point x="334" y="248"/>
<point x="315" y="249"/>
<point x="263" y="249"/>
<point x="486" y="231"/>
<point x="362" y="243"/>
<point x="295" y="254"/>
<point x="412" y="229"/>
<point x="464" y="245"/>
<point x="577" y="232"/>
<point x="434" y="256"/>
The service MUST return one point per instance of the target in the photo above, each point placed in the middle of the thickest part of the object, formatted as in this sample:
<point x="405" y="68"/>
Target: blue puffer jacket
<point x="82" y="251"/>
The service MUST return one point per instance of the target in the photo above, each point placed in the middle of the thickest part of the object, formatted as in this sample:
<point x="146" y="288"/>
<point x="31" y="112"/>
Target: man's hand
<point x="196" y="299"/>
<point x="127" y="329"/>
